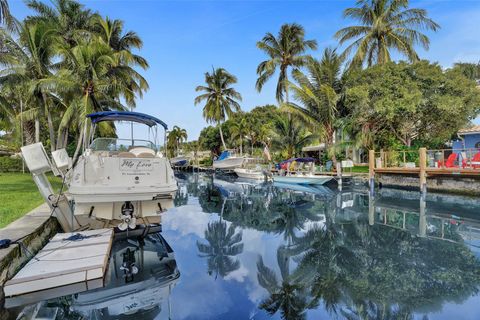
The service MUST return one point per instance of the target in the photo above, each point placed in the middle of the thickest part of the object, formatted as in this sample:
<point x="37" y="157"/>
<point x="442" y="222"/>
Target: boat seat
<point x="145" y="155"/>
<point x="126" y="155"/>
<point x="139" y="150"/>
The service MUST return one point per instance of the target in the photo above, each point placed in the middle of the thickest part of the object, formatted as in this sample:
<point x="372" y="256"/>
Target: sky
<point x="185" y="39"/>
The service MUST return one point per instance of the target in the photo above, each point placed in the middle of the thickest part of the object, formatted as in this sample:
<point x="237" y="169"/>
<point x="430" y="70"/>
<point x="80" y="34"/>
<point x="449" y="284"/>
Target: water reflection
<point x="251" y="250"/>
<point x="353" y="256"/>
<point x="139" y="293"/>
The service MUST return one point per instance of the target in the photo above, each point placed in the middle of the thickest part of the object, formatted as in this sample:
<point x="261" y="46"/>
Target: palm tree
<point x="284" y="51"/>
<point x="221" y="100"/>
<point x="93" y="79"/>
<point x="238" y="129"/>
<point x="318" y="92"/>
<point x="290" y="135"/>
<point x="176" y="136"/>
<point x="5" y="16"/>
<point x="385" y="25"/>
<point x="28" y="61"/>
<point x="223" y="245"/>
<point x="72" y="23"/>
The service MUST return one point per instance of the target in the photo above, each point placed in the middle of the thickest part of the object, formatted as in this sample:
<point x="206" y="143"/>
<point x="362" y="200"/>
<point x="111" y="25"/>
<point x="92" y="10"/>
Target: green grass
<point x="359" y="169"/>
<point x="19" y="195"/>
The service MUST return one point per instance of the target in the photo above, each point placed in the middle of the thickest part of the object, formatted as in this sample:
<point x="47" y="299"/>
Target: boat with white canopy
<point x="122" y="179"/>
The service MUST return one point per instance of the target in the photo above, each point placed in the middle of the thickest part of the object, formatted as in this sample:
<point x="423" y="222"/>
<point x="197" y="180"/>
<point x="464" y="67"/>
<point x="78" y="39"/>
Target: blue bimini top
<point x="126" y="116"/>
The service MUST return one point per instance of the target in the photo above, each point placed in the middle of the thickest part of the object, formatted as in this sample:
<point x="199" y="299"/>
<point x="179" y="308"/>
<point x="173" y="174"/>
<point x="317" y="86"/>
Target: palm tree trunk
<point x="37" y="130"/>
<point x="221" y="136"/>
<point x="49" y="122"/>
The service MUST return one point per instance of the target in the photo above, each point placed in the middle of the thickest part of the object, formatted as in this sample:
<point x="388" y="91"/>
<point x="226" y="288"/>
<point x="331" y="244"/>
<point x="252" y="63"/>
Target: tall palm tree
<point x="223" y="245"/>
<point x="28" y="61"/>
<point x="91" y="76"/>
<point x="385" y="25"/>
<point x="221" y="99"/>
<point x="72" y="23"/>
<point x="318" y="93"/>
<point x="5" y="16"/>
<point x="285" y="50"/>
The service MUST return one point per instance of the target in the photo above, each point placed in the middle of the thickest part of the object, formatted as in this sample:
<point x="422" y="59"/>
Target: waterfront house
<point x="468" y="138"/>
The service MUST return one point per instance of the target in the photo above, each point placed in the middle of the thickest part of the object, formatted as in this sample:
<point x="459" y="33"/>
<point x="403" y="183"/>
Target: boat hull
<point x="179" y="162"/>
<point x="309" y="180"/>
<point x="249" y="174"/>
<point x="229" y="163"/>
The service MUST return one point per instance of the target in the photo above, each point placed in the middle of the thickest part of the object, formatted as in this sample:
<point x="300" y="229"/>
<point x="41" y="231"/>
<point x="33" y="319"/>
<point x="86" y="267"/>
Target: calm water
<point x="245" y="250"/>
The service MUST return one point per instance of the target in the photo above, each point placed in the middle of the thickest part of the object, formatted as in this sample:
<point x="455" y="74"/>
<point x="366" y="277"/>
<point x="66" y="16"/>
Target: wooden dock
<point x="69" y="259"/>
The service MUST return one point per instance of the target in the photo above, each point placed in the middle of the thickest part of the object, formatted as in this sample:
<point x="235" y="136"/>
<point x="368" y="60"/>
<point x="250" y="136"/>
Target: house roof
<point x="470" y="130"/>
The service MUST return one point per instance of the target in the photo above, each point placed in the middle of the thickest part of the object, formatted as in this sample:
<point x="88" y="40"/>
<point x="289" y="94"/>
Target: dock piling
<point x="371" y="170"/>
<point x="423" y="170"/>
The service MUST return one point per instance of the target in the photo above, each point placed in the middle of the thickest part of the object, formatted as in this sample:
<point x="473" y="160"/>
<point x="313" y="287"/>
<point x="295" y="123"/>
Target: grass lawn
<point x="19" y="195"/>
<point x="359" y="169"/>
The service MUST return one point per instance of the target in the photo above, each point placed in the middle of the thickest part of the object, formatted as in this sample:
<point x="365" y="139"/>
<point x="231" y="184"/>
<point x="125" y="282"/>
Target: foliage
<point x="63" y="62"/>
<point x="407" y="102"/>
<point x="385" y="25"/>
<point x="175" y="137"/>
<point x="9" y="164"/>
<point x="221" y="100"/>
<point x="285" y="50"/>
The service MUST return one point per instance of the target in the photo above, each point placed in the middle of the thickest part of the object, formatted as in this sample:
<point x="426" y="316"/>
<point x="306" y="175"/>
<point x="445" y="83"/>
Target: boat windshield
<point x="120" y="145"/>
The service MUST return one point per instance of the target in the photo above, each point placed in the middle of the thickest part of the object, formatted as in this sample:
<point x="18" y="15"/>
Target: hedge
<point x="8" y="164"/>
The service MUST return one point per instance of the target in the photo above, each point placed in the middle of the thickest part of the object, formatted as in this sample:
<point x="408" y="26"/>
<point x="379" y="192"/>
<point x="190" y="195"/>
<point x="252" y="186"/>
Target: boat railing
<point x="120" y="145"/>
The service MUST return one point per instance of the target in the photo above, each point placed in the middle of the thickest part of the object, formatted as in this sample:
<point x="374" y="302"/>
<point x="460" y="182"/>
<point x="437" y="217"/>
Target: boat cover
<point x="126" y="116"/>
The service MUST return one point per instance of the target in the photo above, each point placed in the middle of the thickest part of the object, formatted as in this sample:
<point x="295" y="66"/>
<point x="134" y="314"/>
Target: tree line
<point x="359" y="93"/>
<point x="61" y="63"/>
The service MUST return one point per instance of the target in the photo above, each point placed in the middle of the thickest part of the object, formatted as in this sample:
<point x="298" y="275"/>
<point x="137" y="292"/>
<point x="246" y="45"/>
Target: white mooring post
<point x="371" y="171"/>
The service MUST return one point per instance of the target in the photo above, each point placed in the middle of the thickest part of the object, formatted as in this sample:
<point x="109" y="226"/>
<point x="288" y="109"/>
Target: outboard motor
<point x="128" y="219"/>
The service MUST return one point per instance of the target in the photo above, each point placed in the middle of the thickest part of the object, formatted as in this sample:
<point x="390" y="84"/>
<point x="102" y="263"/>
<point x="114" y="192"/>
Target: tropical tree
<point x="70" y="21"/>
<point x="238" y="129"/>
<point x="285" y="50"/>
<point x="176" y="136"/>
<point x="5" y="16"/>
<point x="318" y="92"/>
<point x="223" y="245"/>
<point x="385" y="25"/>
<point x="221" y="99"/>
<point x="28" y="61"/>
<point x="290" y="135"/>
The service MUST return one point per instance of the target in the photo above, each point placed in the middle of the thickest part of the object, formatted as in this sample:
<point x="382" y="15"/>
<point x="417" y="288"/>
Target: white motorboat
<point x="291" y="171"/>
<point x="303" y="179"/>
<point x="228" y="161"/>
<point x="246" y="173"/>
<point x="121" y="179"/>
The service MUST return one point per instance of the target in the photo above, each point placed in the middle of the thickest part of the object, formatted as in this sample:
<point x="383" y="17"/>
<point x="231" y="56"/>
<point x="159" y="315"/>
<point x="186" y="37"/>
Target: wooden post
<point x="339" y="175"/>
<point x="423" y="167"/>
<point x="371" y="170"/>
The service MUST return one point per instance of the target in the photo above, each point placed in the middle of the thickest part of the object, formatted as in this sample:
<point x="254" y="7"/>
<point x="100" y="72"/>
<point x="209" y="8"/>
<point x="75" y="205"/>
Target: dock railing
<point x="423" y="162"/>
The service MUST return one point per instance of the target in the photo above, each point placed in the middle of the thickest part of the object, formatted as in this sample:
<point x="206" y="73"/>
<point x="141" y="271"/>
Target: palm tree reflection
<point x="223" y="245"/>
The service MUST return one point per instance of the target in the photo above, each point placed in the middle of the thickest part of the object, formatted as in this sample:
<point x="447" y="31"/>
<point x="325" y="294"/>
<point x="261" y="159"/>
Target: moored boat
<point x="121" y="179"/>
<point x="228" y="161"/>
<point x="299" y="171"/>
<point x="179" y="161"/>
<point x="246" y="173"/>
<point x="302" y="179"/>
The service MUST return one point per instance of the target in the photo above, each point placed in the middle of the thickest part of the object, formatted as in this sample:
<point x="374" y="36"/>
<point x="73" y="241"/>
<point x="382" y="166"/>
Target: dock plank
<point x="62" y="263"/>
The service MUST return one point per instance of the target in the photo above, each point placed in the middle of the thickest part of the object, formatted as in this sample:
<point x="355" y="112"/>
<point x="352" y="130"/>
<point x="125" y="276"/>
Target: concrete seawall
<point x="446" y="184"/>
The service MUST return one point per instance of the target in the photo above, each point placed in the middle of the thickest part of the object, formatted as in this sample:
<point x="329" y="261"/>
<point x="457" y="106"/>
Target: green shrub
<point x="8" y="164"/>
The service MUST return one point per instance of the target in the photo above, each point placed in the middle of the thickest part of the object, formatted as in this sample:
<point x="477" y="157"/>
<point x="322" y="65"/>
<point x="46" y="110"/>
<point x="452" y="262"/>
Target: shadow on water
<point x="257" y="250"/>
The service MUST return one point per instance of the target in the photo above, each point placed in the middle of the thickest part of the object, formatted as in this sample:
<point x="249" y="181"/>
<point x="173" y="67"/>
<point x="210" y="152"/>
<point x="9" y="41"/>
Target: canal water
<point x="238" y="249"/>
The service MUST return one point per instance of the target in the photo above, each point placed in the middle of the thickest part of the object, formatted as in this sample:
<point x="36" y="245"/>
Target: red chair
<point x="450" y="163"/>
<point x="475" y="159"/>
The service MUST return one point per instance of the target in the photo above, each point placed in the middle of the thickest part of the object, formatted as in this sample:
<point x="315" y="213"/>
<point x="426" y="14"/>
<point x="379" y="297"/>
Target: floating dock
<point x="72" y="261"/>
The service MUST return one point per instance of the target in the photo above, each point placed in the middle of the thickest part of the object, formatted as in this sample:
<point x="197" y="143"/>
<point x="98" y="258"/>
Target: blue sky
<point x="184" y="39"/>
